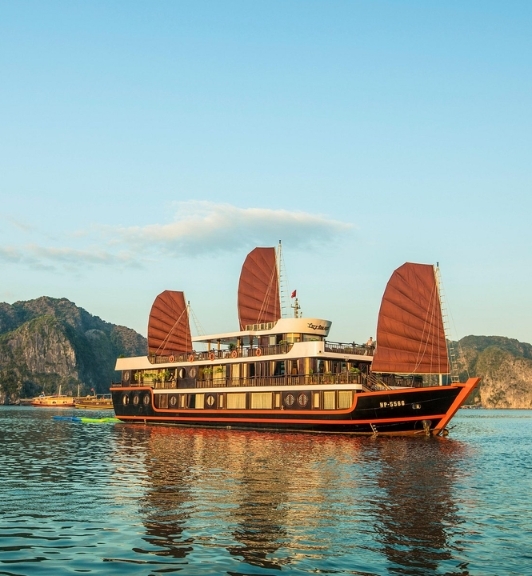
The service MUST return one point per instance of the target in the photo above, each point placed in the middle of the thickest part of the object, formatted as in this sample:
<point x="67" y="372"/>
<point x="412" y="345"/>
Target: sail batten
<point x="410" y="332"/>
<point x="258" y="289"/>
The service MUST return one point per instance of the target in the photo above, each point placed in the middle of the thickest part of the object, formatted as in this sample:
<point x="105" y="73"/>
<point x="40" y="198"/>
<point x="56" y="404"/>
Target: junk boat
<point x="283" y="374"/>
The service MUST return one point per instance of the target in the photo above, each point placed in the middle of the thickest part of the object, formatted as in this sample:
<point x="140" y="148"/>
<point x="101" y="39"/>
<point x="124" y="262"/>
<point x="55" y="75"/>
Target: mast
<point x="280" y="277"/>
<point x="453" y="366"/>
<point x="282" y="290"/>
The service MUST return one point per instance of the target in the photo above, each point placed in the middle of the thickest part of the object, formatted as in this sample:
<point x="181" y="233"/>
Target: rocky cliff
<point x="48" y="342"/>
<point x="505" y="366"/>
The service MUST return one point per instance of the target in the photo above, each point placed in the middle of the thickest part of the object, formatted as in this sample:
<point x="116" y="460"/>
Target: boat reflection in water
<point x="418" y="516"/>
<point x="280" y="501"/>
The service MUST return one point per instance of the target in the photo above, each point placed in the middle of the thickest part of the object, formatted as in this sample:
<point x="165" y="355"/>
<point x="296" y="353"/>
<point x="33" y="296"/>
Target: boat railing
<point x="284" y="380"/>
<point x="225" y="354"/>
<point x="218" y="380"/>
<point x="373" y="384"/>
<point x="349" y="348"/>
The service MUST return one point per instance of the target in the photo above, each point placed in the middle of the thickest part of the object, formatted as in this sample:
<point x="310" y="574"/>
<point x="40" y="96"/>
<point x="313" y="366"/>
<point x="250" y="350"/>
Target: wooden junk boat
<point x="279" y="373"/>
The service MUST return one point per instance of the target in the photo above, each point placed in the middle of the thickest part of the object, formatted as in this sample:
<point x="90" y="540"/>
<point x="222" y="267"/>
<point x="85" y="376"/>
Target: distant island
<point x="50" y="342"/>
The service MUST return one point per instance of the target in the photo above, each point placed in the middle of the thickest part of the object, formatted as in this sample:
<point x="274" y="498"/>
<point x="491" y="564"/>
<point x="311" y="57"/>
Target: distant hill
<point x="505" y="366"/>
<point x="49" y="342"/>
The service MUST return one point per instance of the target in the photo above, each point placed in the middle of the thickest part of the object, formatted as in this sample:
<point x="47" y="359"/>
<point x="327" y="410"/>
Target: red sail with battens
<point x="258" y="289"/>
<point x="410" y="332"/>
<point x="168" y="325"/>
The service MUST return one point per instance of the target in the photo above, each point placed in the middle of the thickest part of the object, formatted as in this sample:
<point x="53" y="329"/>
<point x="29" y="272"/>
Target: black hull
<point x="391" y="412"/>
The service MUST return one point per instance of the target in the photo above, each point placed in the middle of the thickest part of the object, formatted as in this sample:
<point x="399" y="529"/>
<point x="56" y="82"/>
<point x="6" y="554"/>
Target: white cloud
<point x="206" y="227"/>
<point x="198" y="228"/>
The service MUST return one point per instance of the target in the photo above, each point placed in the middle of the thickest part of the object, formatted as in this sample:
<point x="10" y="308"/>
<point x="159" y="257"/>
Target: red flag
<point x="293" y="294"/>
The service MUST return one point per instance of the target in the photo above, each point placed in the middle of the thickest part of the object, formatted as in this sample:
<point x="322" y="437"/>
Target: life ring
<point x="171" y="359"/>
<point x="234" y="354"/>
<point x="211" y="356"/>
<point x="191" y="358"/>
<point x="258" y="352"/>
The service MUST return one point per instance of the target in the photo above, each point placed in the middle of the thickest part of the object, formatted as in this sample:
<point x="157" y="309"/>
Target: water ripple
<point x="124" y="499"/>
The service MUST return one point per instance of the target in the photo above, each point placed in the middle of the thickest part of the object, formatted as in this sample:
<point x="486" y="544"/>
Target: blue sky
<point x="151" y="145"/>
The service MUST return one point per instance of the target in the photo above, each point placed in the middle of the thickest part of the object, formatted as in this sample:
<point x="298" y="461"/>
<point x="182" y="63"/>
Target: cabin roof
<point x="308" y="326"/>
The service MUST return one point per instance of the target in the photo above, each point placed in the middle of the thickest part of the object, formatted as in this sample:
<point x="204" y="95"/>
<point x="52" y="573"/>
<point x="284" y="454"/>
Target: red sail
<point x="168" y="326"/>
<point x="258" y="289"/>
<point x="410" y="333"/>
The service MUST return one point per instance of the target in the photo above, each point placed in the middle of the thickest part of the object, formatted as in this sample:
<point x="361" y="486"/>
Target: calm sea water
<point x="127" y="499"/>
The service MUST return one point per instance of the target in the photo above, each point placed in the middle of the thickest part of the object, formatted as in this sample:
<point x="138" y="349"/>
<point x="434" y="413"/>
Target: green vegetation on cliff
<point x="48" y="342"/>
<point x="505" y="367"/>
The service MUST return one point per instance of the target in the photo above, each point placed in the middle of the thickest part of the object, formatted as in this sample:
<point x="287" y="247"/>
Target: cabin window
<point x="277" y="399"/>
<point x="345" y="398"/>
<point x="279" y="369"/>
<point x="329" y="400"/>
<point x="261" y="400"/>
<point x="236" y="401"/>
<point x="291" y="338"/>
<point x="163" y="400"/>
<point x="311" y="338"/>
<point x="200" y="401"/>
<point x="316" y="400"/>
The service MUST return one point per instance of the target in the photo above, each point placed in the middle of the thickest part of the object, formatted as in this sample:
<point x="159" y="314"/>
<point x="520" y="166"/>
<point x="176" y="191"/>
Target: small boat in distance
<point x="53" y="401"/>
<point x="94" y="402"/>
<point x="283" y="374"/>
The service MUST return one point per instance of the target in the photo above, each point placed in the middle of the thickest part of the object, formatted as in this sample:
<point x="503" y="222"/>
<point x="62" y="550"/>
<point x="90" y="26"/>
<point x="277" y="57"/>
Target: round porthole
<point x="302" y="400"/>
<point x="289" y="400"/>
<point x="125" y="399"/>
<point x="136" y="400"/>
<point x="182" y="373"/>
<point x="210" y="400"/>
<point x="146" y="399"/>
<point x="173" y="401"/>
<point x="192" y="372"/>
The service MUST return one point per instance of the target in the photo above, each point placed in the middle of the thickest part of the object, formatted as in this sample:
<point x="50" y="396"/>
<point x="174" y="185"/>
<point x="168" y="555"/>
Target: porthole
<point x="173" y="401"/>
<point x="210" y="400"/>
<point x="125" y="399"/>
<point x="136" y="400"/>
<point x="289" y="400"/>
<point x="192" y="372"/>
<point x="146" y="399"/>
<point x="182" y="373"/>
<point x="302" y="400"/>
